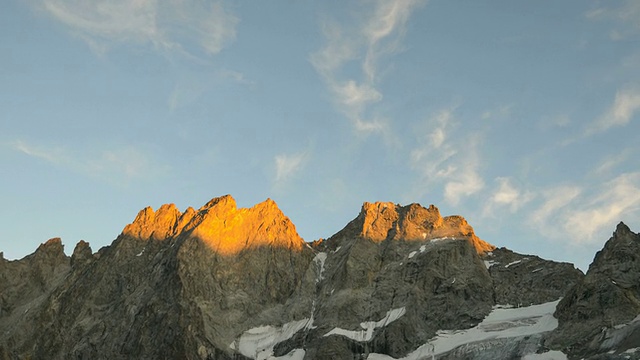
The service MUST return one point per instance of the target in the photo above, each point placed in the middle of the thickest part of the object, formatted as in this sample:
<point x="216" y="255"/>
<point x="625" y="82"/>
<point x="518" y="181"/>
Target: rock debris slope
<point x="397" y="282"/>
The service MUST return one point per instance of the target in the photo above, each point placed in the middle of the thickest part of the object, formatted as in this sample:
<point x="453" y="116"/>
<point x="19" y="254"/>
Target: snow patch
<point x="490" y="263"/>
<point x="141" y="252"/>
<point x="513" y="263"/>
<point x="500" y="323"/>
<point x="319" y="260"/>
<point x="258" y="343"/>
<point x="549" y="355"/>
<point x="369" y="326"/>
<point x="443" y="238"/>
<point x="295" y="354"/>
<point x="536" y="270"/>
<point x="412" y="254"/>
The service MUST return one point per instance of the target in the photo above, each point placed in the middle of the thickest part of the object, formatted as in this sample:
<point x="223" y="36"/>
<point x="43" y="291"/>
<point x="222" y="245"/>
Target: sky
<point x="521" y="116"/>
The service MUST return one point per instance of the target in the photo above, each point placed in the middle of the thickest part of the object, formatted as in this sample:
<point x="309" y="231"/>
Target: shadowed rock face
<point x="227" y="283"/>
<point x="599" y="305"/>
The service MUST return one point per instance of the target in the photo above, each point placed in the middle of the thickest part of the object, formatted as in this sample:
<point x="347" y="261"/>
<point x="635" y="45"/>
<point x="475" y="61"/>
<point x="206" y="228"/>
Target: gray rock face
<point x="523" y="280"/>
<point x="227" y="283"/>
<point x="596" y="315"/>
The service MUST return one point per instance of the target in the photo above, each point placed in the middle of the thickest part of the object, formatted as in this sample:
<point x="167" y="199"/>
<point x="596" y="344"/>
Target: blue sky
<point x="522" y="116"/>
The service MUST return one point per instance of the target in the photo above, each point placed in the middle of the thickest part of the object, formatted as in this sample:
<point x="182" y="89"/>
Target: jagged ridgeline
<point x="398" y="282"/>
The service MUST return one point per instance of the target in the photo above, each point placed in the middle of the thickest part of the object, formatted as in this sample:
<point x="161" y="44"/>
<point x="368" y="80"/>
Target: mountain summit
<point x="220" y="224"/>
<point x="381" y="221"/>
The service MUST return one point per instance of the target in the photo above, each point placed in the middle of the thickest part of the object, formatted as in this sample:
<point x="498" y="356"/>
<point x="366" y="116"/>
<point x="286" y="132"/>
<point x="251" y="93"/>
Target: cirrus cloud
<point x="172" y="25"/>
<point x="367" y="42"/>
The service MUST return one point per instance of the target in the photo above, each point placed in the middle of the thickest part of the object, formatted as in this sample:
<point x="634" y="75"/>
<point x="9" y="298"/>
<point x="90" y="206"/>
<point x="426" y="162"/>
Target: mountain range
<point x="397" y="282"/>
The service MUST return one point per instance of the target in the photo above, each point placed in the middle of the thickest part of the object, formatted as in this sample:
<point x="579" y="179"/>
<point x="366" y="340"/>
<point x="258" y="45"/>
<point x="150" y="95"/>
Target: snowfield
<point x="369" y="326"/>
<point x="500" y="323"/>
<point x="258" y="343"/>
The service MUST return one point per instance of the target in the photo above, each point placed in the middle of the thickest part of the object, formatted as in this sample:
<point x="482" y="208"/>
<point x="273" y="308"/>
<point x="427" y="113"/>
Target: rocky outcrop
<point x="25" y="286"/>
<point x="219" y="224"/>
<point x="523" y="280"/>
<point x="385" y="221"/>
<point x="600" y="313"/>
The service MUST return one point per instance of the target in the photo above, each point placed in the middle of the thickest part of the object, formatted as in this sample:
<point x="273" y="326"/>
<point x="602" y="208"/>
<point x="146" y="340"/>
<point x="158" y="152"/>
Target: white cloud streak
<point x="619" y="197"/>
<point x="120" y="165"/>
<point x="506" y="195"/>
<point x="585" y="215"/>
<point x="624" y="108"/>
<point x="171" y="25"/>
<point x="626" y="18"/>
<point x="379" y="35"/>
<point x="439" y="162"/>
<point x="287" y="165"/>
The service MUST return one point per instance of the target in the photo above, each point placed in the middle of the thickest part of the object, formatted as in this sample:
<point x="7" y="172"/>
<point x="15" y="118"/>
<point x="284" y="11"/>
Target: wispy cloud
<point x="625" y="15"/>
<point x="378" y="36"/>
<point x="584" y="215"/>
<point x="556" y="202"/>
<point x="172" y="25"/>
<point x="619" y="197"/>
<point x="440" y="162"/>
<point x="500" y="112"/>
<point x="287" y="165"/>
<point x="507" y="195"/>
<point x="55" y="155"/>
<point x="608" y="164"/>
<point x="119" y="165"/>
<point x="624" y="108"/>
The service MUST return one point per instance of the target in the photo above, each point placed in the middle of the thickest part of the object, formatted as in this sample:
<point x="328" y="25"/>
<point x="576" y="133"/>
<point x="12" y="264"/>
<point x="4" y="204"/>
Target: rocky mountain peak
<point x="228" y="230"/>
<point x="380" y="221"/>
<point x="157" y="225"/>
<point x="608" y="295"/>
<point x="220" y="224"/>
<point x="622" y="230"/>
<point x="51" y="249"/>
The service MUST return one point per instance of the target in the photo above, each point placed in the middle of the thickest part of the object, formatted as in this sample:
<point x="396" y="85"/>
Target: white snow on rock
<point x="513" y="263"/>
<point x="319" y="260"/>
<point x="549" y="355"/>
<point x="500" y="323"/>
<point x="295" y="354"/>
<point x="412" y="254"/>
<point x="258" y="343"/>
<point x="490" y="263"/>
<point x="369" y="326"/>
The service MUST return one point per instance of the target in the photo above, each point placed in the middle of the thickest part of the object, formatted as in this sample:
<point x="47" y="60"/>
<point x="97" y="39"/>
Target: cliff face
<point x="385" y="221"/>
<point x="227" y="283"/>
<point x="600" y="314"/>
<point x="220" y="224"/>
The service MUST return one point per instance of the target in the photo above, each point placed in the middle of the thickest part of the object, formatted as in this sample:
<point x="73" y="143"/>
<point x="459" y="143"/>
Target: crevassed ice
<point x="368" y="327"/>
